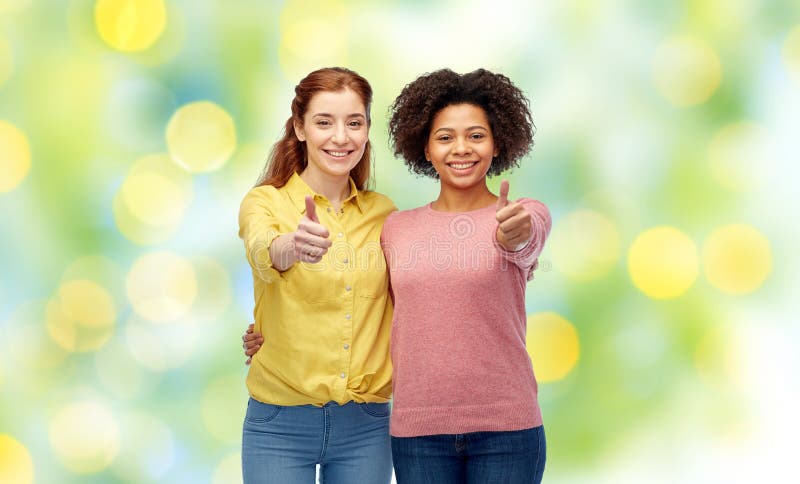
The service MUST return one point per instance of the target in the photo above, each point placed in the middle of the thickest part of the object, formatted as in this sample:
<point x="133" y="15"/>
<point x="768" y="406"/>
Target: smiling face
<point x="460" y="146"/>
<point x="335" y="131"/>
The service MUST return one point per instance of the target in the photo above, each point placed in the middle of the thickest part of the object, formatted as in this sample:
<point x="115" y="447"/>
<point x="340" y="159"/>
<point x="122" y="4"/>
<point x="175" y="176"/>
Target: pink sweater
<point x="458" y="332"/>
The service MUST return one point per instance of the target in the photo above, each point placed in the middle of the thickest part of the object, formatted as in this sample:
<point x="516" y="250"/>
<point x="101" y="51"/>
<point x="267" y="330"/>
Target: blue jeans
<point x="515" y="457"/>
<point x="284" y="444"/>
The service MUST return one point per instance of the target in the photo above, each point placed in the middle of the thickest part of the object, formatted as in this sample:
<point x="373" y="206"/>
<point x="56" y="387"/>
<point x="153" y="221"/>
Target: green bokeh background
<point x="701" y="387"/>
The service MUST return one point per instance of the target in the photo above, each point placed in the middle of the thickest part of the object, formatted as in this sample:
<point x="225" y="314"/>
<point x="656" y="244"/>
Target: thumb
<point x="502" y="200"/>
<point x="311" y="209"/>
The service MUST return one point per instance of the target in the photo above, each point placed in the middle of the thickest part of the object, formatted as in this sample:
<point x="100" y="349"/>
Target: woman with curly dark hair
<point x="465" y="404"/>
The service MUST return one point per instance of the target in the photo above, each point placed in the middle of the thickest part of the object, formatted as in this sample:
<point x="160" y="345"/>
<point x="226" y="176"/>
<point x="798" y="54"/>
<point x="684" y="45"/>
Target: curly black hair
<point x="504" y="104"/>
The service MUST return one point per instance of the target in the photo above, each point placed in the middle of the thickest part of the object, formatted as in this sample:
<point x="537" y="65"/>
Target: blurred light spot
<point x="26" y="340"/>
<point x="147" y="451"/>
<point x="153" y="199"/>
<point x="214" y="290"/>
<point x="718" y="358"/>
<point x="122" y="374"/>
<point x="229" y="470"/>
<point x="791" y="53"/>
<point x="6" y="61"/>
<point x="16" y="465"/>
<point x="738" y="155"/>
<point x="85" y="437"/>
<point x="81" y="318"/>
<point x="130" y="25"/>
<point x="201" y="137"/>
<point x="136" y="112"/>
<point x="161" y="286"/>
<point x="160" y="347"/>
<point x="240" y="173"/>
<point x="553" y="345"/>
<point x="13" y="6"/>
<point x="15" y="156"/>
<point x="224" y="407"/>
<point x="737" y="259"/>
<point x="663" y="262"/>
<point x="686" y="70"/>
<point x="313" y="34"/>
<point x="585" y="245"/>
<point x="103" y="271"/>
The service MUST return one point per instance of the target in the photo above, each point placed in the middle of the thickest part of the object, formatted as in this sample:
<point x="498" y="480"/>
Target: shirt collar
<point x="298" y="189"/>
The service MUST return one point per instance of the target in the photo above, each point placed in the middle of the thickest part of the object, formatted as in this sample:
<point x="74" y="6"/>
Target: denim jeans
<point x="283" y="444"/>
<point x="514" y="457"/>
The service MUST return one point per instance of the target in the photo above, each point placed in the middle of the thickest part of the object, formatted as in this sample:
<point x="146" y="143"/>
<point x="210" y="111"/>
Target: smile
<point x="462" y="165"/>
<point x="338" y="154"/>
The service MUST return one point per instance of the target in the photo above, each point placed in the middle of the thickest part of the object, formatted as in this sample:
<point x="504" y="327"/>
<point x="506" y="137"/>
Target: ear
<point x="427" y="156"/>
<point x="299" y="132"/>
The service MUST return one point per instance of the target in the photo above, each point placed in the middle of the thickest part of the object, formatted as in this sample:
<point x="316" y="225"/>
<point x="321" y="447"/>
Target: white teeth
<point x="337" y="153"/>
<point x="460" y="166"/>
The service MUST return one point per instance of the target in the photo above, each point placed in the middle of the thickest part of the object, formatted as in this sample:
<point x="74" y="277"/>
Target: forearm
<point x="282" y="253"/>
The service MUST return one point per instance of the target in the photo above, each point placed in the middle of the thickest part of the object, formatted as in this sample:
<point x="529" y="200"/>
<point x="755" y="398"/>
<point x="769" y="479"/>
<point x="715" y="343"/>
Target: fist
<point x="515" y="224"/>
<point x="310" y="240"/>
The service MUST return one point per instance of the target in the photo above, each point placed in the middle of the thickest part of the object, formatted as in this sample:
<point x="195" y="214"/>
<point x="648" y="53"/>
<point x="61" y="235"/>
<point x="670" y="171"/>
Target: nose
<point x="339" y="134"/>
<point x="461" y="146"/>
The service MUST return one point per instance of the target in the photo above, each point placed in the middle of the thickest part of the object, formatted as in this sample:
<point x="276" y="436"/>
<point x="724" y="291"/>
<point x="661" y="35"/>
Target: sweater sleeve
<point x="527" y="258"/>
<point x="258" y="227"/>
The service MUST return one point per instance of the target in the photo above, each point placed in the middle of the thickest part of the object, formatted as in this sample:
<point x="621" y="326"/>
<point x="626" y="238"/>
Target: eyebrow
<point x="468" y="129"/>
<point x="328" y="115"/>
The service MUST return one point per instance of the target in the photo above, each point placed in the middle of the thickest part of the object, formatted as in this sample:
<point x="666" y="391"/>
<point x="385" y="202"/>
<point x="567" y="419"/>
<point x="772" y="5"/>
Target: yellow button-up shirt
<point x="326" y="325"/>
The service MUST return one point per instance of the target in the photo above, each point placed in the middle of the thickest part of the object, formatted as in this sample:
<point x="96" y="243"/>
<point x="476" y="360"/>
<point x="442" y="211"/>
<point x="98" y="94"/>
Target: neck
<point x="453" y="199"/>
<point x="334" y="188"/>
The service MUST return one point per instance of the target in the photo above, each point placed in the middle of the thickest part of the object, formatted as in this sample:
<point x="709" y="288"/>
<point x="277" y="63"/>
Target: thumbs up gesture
<point x="515" y="226"/>
<point x="311" y="238"/>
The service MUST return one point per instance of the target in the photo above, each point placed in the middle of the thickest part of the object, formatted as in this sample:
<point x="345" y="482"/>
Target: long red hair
<point x="289" y="155"/>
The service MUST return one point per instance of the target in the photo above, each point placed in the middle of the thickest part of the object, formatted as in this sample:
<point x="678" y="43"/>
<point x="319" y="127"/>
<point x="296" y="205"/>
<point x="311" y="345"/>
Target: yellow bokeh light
<point x="27" y="342"/>
<point x="153" y="199"/>
<point x="161" y="286"/>
<point x="686" y="70"/>
<point x="201" y="137"/>
<point x="214" y="290"/>
<point x="147" y="451"/>
<point x="738" y="154"/>
<point x="553" y="345"/>
<point x="160" y="347"/>
<point x="220" y="397"/>
<point x="85" y="437"/>
<point x="12" y="6"/>
<point x="663" y="262"/>
<point x="737" y="259"/>
<point x="229" y="470"/>
<point x="130" y="25"/>
<point x="121" y="374"/>
<point x="718" y="358"/>
<point x="15" y="156"/>
<point x="313" y="34"/>
<point x="6" y="61"/>
<point x="81" y="318"/>
<point x="16" y="465"/>
<point x="791" y="53"/>
<point x="585" y="245"/>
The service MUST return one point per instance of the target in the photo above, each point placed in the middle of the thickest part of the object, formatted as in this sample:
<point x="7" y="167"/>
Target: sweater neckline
<point x="439" y="213"/>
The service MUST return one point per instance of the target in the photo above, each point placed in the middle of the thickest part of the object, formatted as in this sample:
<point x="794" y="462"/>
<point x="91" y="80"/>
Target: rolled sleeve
<point x="527" y="258"/>
<point x="258" y="227"/>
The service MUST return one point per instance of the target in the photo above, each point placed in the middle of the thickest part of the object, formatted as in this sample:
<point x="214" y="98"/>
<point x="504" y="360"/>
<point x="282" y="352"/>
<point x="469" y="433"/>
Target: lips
<point x="337" y="154"/>
<point x="462" y="165"/>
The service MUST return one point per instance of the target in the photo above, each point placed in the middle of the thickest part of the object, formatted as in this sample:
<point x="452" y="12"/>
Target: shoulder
<point x="377" y="199"/>
<point x="261" y="197"/>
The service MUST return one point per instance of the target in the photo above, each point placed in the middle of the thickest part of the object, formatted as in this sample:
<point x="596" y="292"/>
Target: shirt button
<point x="347" y="316"/>
<point x="341" y="234"/>
<point x="347" y="346"/>
<point x="346" y="261"/>
<point x="347" y="287"/>
<point x="329" y="209"/>
<point x="341" y="375"/>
